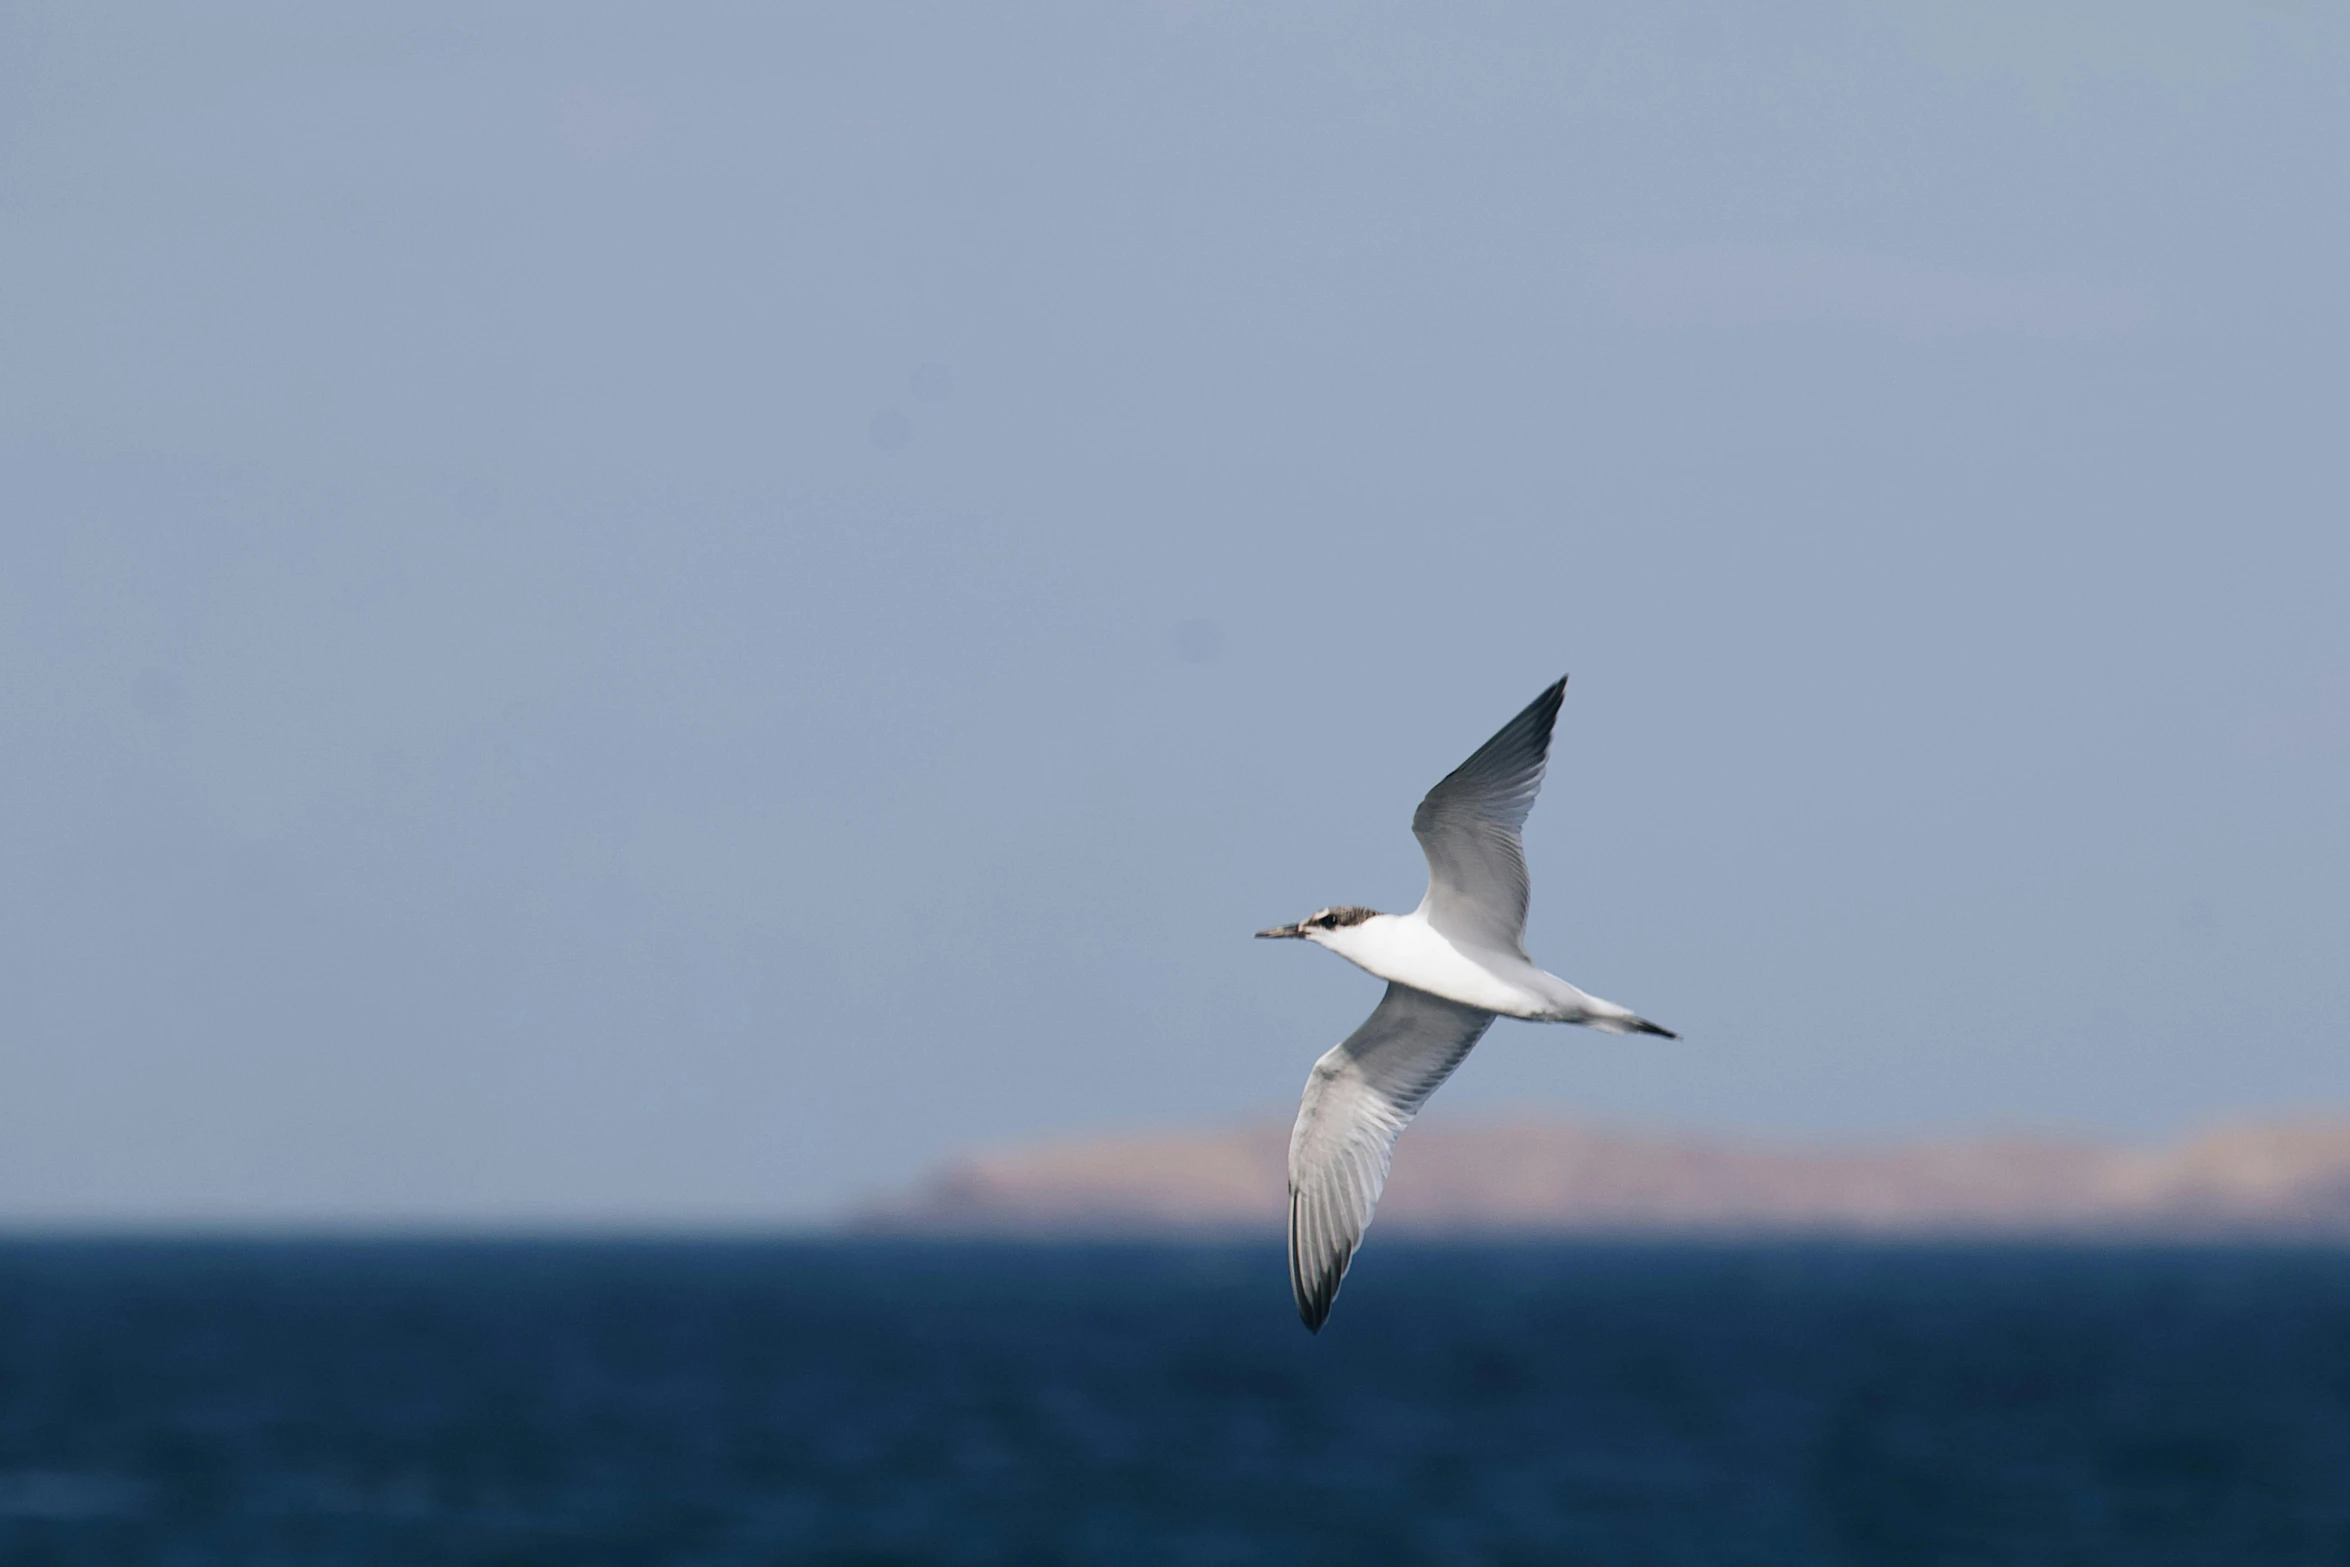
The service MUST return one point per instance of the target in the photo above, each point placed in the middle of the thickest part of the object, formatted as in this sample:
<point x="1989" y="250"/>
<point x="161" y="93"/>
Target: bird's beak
<point x="1282" y="930"/>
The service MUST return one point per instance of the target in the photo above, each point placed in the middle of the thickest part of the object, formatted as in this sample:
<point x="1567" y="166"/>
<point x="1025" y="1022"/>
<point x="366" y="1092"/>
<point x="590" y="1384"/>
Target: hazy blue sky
<point x="674" y="613"/>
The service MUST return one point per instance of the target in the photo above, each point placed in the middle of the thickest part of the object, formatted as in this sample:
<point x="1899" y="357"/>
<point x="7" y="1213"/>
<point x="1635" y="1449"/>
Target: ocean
<point x="267" y="1403"/>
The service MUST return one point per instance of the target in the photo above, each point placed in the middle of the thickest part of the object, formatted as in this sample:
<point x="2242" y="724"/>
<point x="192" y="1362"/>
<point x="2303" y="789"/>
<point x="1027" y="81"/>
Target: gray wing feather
<point x="1358" y="1099"/>
<point x="1470" y="826"/>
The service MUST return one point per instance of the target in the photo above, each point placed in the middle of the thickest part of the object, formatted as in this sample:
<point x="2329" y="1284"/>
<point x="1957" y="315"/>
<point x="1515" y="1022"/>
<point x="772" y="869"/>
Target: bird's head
<point x="1318" y="925"/>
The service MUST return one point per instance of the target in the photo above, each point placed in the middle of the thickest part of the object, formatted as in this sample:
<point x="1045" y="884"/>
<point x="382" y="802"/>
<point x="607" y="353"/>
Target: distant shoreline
<point x="2281" y="1181"/>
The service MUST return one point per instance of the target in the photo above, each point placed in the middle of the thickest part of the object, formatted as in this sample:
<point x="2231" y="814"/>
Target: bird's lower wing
<point x="1359" y="1097"/>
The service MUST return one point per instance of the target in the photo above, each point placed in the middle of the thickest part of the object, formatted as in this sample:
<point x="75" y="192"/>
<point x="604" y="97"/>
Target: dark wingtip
<point x="1644" y="1026"/>
<point x="1313" y="1308"/>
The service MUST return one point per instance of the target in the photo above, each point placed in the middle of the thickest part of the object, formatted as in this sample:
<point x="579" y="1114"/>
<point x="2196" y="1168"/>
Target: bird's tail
<point x="1609" y="1018"/>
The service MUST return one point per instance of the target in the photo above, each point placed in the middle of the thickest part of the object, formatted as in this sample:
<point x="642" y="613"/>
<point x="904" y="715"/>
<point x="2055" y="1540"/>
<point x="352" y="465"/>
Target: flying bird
<point x="1452" y="966"/>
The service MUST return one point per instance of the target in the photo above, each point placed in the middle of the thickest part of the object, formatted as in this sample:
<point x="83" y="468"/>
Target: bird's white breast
<point x="1407" y="950"/>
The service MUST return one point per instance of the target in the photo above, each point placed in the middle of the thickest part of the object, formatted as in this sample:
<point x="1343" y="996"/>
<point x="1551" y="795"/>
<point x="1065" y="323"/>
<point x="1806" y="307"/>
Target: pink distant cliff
<point x="2278" y="1179"/>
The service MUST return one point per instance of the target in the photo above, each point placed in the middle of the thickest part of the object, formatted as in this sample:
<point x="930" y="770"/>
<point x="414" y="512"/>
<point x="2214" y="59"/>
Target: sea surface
<point x="847" y="1402"/>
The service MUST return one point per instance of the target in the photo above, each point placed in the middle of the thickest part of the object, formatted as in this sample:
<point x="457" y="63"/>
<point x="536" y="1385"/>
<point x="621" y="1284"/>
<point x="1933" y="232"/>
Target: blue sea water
<point x="323" y="1403"/>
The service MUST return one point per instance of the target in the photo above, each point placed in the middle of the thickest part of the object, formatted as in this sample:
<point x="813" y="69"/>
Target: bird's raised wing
<point x="1469" y="826"/>
<point x="1360" y="1095"/>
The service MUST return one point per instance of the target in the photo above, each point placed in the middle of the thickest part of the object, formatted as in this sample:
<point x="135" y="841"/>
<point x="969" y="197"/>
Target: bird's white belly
<point x="1411" y="952"/>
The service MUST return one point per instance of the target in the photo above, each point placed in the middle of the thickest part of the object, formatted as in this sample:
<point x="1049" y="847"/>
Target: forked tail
<point x="1609" y="1018"/>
